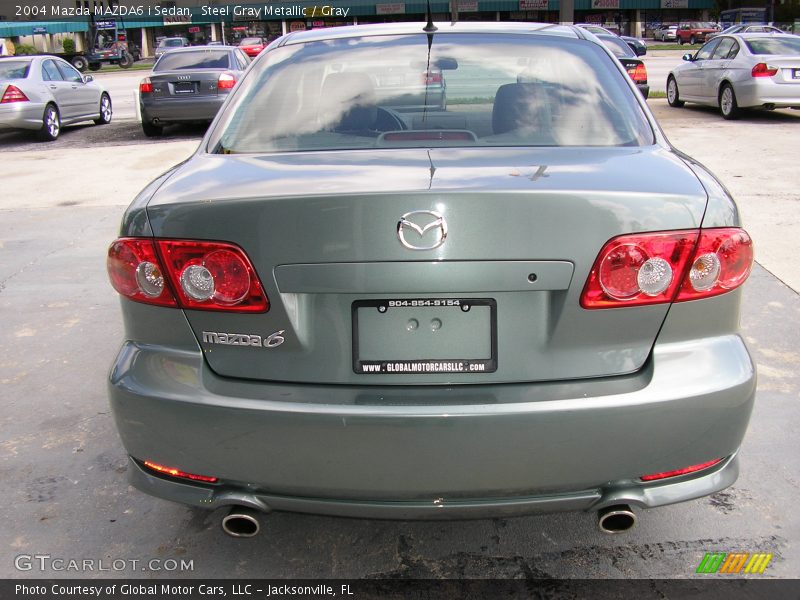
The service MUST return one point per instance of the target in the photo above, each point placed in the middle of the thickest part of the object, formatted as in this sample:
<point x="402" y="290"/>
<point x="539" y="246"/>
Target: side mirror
<point x="688" y="56"/>
<point x="88" y="79"/>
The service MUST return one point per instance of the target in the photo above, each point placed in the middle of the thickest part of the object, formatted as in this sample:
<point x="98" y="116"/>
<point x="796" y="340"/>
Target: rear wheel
<point x="80" y="63"/>
<point x="692" y="41"/>
<point x="673" y="97"/>
<point x="680" y="41"/>
<point x="51" y="124"/>
<point x="95" y="66"/>
<point x="727" y="102"/>
<point x="151" y="130"/>
<point x="105" y="110"/>
<point x="125" y="61"/>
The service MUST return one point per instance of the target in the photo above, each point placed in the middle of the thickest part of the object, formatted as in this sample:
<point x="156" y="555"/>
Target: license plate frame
<point x="184" y="87"/>
<point x="796" y="74"/>
<point x="454" y="365"/>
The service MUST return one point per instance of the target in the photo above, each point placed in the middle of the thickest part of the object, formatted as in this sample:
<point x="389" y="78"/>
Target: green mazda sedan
<point x="361" y="298"/>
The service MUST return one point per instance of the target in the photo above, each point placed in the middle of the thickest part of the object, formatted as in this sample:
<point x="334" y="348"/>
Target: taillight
<point x="722" y="262"/>
<point x="684" y="471"/>
<point x="202" y="275"/>
<point x="146" y="86"/>
<point x="13" y="94"/>
<point x="638" y="73"/>
<point x="226" y="81"/>
<point x="429" y="78"/>
<point x="764" y="70"/>
<point x="136" y="272"/>
<point x="173" y="472"/>
<point x="652" y="268"/>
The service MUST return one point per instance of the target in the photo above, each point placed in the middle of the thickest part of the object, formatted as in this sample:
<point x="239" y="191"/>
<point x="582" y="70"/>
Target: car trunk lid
<point x="183" y="83"/>
<point x="502" y="291"/>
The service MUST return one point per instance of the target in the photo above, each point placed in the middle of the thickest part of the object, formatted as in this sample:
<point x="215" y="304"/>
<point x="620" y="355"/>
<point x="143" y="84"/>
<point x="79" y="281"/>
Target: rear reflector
<point x="764" y="70"/>
<point x="675" y="473"/>
<point x="173" y="472"/>
<point x="226" y="81"/>
<point x="146" y="86"/>
<point x="652" y="268"/>
<point x="13" y="94"/>
<point x="186" y="274"/>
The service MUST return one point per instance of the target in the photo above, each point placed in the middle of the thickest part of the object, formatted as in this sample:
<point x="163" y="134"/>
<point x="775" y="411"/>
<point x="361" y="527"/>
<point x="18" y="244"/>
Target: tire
<point x="151" y="130"/>
<point x="673" y="96"/>
<point x="51" y="124"/>
<point x="95" y="66"/>
<point x="80" y="63"/>
<point x="680" y="41"/>
<point x="692" y="41"/>
<point x="727" y="102"/>
<point x="125" y="61"/>
<point x="105" y="110"/>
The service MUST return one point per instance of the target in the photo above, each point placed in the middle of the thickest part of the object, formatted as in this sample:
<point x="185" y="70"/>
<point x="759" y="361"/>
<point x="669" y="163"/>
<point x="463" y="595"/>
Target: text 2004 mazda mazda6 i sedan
<point x="527" y="301"/>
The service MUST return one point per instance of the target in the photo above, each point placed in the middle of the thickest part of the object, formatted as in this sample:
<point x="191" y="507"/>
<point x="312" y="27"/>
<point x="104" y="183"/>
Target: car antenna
<point x="429" y="26"/>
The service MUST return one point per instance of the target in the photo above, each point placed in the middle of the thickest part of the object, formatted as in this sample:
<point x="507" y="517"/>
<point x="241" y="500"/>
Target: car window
<point x="723" y="49"/>
<point x="254" y="41"/>
<point x="69" y="73"/>
<point x="617" y="46"/>
<point x="706" y="51"/>
<point x="465" y="90"/>
<point x="171" y="43"/>
<point x="194" y="59"/>
<point x="784" y="44"/>
<point x="755" y="30"/>
<point x="734" y="50"/>
<point x="15" y="69"/>
<point x="242" y="59"/>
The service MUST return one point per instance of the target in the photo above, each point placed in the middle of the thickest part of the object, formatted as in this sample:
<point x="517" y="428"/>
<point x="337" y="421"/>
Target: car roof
<point x="353" y="31"/>
<point x="195" y="48"/>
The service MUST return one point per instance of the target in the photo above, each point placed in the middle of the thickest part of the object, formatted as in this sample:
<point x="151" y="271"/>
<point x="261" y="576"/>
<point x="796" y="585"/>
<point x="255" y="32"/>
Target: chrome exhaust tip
<point x="242" y="522"/>
<point x="616" y="519"/>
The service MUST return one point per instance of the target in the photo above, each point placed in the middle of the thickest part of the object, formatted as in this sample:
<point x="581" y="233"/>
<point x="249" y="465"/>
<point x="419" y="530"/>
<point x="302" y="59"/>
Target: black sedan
<point x="633" y="65"/>
<point x="189" y="84"/>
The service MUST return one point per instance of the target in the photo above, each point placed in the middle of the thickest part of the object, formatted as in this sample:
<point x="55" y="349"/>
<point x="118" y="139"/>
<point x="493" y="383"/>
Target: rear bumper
<point x="760" y="91"/>
<point x="21" y="115"/>
<point x="175" y="110"/>
<point x="436" y="451"/>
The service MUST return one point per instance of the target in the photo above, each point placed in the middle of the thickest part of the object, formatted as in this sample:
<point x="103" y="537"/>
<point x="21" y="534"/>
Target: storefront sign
<point x="177" y="19"/>
<point x="39" y="30"/>
<point x="601" y="4"/>
<point x="465" y="6"/>
<point x="395" y="8"/>
<point x="533" y="4"/>
<point x="102" y="25"/>
<point x="297" y="26"/>
<point x="194" y="30"/>
<point x="674" y="3"/>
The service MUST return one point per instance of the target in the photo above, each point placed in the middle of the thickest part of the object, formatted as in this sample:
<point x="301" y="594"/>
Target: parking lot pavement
<point x="64" y="470"/>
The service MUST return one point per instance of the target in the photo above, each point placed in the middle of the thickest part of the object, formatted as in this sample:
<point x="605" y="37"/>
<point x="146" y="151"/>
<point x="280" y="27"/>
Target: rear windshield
<point x="618" y="47"/>
<point x="774" y="45"/>
<point x="14" y="69"/>
<point x="465" y="90"/>
<point x="250" y="42"/>
<point x="193" y="59"/>
<point x="171" y="43"/>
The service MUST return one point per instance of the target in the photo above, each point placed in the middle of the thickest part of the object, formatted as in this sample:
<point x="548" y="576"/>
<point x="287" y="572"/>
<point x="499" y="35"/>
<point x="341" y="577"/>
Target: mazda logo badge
<point x="420" y="222"/>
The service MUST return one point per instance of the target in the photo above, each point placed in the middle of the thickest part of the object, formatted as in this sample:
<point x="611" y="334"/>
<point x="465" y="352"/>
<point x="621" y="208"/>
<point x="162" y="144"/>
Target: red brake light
<point x="677" y="472"/>
<point x="136" y="272"/>
<point x="172" y="472"/>
<point x="13" y="94"/>
<point x="430" y="77"/>
<point x="202" y="275"/>
<point x="764" y="70"/>
<point x="638" y="73"/>
<point x="652" y="268"/>
<point x="146" y="87"/>
<point x="226" y="81"/>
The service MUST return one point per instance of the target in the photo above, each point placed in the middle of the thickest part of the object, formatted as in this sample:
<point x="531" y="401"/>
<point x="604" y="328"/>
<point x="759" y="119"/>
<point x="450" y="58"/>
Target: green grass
<point x="473" y="100"/>
<point x="656" y="94"/>
<point x="662" y="46"/>
<point x="139" y="66"/>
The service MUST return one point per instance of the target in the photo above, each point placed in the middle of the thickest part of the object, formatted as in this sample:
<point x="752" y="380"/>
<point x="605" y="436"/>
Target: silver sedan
<point x="42" y="93"/>
<point x="753" y="70"/>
